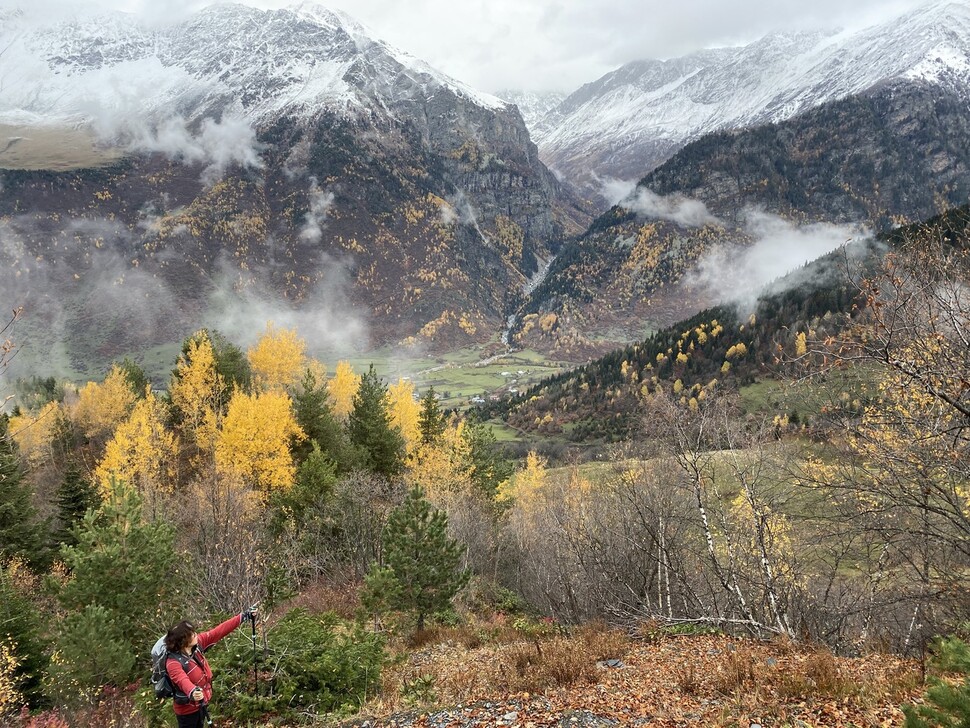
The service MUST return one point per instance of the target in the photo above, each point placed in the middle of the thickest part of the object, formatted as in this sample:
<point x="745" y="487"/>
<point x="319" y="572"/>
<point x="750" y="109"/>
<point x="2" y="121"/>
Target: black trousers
<point x="192" y="720"/>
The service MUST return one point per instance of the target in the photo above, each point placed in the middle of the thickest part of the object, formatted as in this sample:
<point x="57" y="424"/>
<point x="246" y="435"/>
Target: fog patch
<point x="447" y="214"/>
<point x="674" y="208"/>
<point x="219" y="144"/>
<point x="464" y="214"/>
<point x="324" y="318"/>
<point x="741" y="273"/>
<point x="94" y="297"/>
<point x="613" y="190"/>
<point x="320" y="203"/>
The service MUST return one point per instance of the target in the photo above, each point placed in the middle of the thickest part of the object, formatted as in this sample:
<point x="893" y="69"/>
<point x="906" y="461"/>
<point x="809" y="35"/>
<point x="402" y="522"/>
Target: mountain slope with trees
<point x="896" y="154"/>
<point x="332" y="176"/>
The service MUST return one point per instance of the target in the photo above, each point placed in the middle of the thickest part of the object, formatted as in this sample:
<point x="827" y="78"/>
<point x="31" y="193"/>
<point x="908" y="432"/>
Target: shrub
<point x="947" y="704"/>
<point x="312" y="664"/>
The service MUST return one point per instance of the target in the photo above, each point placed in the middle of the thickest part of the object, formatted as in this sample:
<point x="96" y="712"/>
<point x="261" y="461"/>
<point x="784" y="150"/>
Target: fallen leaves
<point x="710" y="680"/>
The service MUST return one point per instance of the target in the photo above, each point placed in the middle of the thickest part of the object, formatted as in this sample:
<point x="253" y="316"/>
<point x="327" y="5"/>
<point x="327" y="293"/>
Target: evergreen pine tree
<point x="425" y="561"/>
<point x="230" y="362"/>
<point x="20" y="533"/>
<point x="119" y="591"/>
<point x="138" y="381"/>
<point x="20" y="622"/>
<point x="75" y="496"/>
<point x="381" y="592"/>
<point x="491" y="469"/>
<point x="380" y="446"/>
<point x="314" y="413"/>
<point x="946" y="703"/>
<point x="431" y="420"/>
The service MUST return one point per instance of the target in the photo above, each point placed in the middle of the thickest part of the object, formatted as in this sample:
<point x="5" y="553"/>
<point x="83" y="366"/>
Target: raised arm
<point x="209" y="638"/>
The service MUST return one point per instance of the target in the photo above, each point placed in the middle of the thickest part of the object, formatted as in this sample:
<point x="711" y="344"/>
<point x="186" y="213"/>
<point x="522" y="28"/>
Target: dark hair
<point x="179" y="636"/>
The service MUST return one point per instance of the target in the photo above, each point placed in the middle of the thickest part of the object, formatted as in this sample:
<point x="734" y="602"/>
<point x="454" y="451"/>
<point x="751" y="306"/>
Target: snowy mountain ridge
<point x="260" y="63"/>
<point x="631" y="120"/>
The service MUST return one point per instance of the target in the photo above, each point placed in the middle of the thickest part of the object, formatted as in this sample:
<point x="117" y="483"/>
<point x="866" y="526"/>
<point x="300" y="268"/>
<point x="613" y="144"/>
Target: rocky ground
<point x="709" y="680"/>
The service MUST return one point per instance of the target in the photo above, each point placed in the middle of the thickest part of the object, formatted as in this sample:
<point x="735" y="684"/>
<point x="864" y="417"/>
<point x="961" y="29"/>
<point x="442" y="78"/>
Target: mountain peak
<point x="295" y="60"/>
<point x="632" y="119"/>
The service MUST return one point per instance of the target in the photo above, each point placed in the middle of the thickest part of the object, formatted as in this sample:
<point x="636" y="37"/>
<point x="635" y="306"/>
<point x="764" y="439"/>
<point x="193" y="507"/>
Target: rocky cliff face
<point x="259" y="161"/>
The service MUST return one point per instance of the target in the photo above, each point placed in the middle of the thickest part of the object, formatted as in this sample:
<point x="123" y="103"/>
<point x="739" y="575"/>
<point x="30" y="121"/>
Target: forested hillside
<point x="894" y="155"/>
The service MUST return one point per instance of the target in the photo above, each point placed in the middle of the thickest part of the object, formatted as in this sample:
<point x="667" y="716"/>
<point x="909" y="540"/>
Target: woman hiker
<point x="193" y="685"/>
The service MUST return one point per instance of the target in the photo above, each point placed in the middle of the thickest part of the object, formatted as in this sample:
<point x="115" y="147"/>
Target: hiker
<point x="196" y="681"/>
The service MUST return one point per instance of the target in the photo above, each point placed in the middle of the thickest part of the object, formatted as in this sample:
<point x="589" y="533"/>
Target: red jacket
<point x="199" y="674"/>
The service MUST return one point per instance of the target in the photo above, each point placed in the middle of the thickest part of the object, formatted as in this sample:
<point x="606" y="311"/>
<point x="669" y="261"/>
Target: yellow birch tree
<point x="443" y="466"/>
<point x="404" y="411"/>
<point x="254" y="442"/>
<point x="142" y="452"/>
<point x="102" y="407"/>
<point x="343" y="386"/>
<point x="34" y="434"/>
<point x="196" y="391"/>
<point x="278" y="359"/>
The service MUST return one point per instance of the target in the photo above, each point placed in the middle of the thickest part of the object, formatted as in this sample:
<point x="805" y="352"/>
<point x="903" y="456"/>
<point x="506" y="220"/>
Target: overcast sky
<point x="543" y="45"/>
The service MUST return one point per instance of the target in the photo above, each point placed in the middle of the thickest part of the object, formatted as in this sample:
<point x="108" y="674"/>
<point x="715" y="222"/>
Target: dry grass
<point x="56" y="148"/>
<point x="736" y="671"/>
<point x="666" y="680"/>
<point x="460" y="664"/>
<point x="341" y="597"/>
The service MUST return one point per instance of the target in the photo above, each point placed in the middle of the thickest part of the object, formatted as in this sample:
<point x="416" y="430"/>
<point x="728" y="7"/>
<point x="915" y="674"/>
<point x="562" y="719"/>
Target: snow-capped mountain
<point x="535" y="107"/>
<point x="263" y="62"/>
<point x="631" y="120"/>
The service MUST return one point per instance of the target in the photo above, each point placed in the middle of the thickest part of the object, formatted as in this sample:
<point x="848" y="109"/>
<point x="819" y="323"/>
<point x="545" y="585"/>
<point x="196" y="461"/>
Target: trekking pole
<point x="204" y="714"/>
<point x="252" y="623"/>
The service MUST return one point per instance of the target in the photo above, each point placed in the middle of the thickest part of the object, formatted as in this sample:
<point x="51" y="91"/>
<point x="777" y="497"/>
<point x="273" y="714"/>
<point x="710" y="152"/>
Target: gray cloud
<point x="554" y="45"/>
<point x="217" y="144"/>
<point x="740" y="273"/>
<point x="615" y="190"/>
<point x="87" y="292"/>
<point x="675" y="208"/>
<point x="325" y="319"/>
<point x="320" y="204"/>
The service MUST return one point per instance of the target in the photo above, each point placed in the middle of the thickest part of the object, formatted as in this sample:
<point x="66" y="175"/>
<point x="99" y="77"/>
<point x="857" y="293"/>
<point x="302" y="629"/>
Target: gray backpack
<point x="164" y="688"/>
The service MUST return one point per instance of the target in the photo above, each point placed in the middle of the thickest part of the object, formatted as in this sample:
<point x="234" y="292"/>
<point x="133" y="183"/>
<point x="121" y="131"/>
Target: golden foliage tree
<point x="35" y="434"/>
<point x="10" y="698"/>
<point x="142" y="452"/>
<point x="197" y="391"/>
<point x="405" y="411"/>
<point x="343" y="386"/>
<point x="527" y="483"/>
<point x="444" y="465"/>
<point x="278" y="359"/>
<point x="254" y="442"/>
<point x="102" y="407"/>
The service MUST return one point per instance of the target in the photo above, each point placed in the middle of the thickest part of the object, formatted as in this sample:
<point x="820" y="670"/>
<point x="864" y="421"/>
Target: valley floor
<point x="708" y="680"/>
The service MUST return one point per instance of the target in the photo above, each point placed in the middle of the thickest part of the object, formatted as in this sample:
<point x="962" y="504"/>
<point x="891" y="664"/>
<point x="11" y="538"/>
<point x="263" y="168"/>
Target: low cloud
<point x="218" y="144"/>
<point x="240" y="308"/>
<point x="320" y="203"/>
<point x="615" y="190"/>
<point x="93" y="296"/>
<point x="675" y="208"/>
<point x="740" y="273"/>
<point x="460" y="211"/>
<point x="447" y="215"/>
